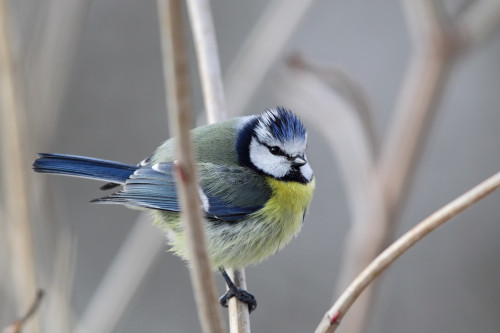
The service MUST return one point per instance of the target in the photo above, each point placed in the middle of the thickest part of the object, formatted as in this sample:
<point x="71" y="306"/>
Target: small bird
<point x="255" y="187"/>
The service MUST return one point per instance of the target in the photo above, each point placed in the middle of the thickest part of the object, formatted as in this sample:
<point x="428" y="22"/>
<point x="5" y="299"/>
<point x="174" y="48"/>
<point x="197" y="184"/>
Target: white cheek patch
<point x="306" y="171"/>
<point x="261" y="157"/>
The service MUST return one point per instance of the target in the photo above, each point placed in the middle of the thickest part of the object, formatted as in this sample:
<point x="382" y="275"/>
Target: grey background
<point x="114" y="108"/>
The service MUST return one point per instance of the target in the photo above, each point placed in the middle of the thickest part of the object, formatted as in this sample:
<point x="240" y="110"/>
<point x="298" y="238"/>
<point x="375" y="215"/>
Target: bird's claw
<point x="242" y="295"/>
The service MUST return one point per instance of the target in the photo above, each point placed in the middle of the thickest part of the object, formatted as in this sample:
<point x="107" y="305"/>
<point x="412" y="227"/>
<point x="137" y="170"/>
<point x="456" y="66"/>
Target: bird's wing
<point x="227" y="193"/>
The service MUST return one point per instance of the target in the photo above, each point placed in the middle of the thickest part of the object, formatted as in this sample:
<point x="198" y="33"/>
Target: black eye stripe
<point x="279" y="152"/>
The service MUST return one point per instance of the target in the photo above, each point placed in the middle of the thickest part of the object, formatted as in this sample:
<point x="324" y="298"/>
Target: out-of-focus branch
<point x="50" y="53"/>
<point x="118" y="286"/>
<point x="260" y="50"/>
<point x="61" y="288"/>
<point x="334" y="315"/>
<point x="200" y="14"/>
<point x="435" y="47"/>
<point x="15" y="183"/>
<point x="18" y="325"/>
<point x="178" y="92"/>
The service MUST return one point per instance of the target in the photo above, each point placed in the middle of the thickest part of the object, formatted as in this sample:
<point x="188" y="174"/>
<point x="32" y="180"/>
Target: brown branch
<point x="239" y="317"/>
<point x="200" y="14"/>
<point x="332" y="318"/>
<point x="178" y="96"/>
<point x="18" y="325"/>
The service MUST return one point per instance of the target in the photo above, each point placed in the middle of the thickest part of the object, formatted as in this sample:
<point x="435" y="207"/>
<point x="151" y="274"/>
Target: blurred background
<point x="91" y="82"/>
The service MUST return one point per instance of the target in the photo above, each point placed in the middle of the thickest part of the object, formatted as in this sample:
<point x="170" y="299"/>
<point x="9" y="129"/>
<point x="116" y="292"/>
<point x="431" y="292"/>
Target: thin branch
<point x="200" y="15"/>
<point x="116" y="289"/>
<point x="178" y="95"/>
<point x="264" y="44"/>
<point x="239" y="317"/>
<point x="15" y="182"/>
<point x="18" y="325"/>
<point x="333" y="317"/>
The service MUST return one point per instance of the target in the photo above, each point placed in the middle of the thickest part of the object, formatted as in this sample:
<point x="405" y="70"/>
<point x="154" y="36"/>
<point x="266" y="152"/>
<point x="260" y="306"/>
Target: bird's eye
<point x="275" y="150"/>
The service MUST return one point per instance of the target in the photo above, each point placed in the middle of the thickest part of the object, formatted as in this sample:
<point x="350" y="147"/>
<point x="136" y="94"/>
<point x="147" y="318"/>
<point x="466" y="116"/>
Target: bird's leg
<point x="242" y="295"/>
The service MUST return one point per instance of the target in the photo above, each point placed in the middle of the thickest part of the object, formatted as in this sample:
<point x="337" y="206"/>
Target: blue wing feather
<point x="154" y="187"/>
<point x="85" y="167"/>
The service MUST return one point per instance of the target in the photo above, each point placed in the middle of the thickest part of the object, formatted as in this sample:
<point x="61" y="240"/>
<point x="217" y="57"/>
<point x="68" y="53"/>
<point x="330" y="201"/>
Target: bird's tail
<point x="85" y="167"/>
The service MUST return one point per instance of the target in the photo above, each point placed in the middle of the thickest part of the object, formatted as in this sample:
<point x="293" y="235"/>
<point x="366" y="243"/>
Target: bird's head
<point x="275" y="144"/>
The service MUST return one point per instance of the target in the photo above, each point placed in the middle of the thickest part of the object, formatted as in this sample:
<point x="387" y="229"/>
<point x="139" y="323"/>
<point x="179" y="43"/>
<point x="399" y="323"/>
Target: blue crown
<point x="283" y="125"/>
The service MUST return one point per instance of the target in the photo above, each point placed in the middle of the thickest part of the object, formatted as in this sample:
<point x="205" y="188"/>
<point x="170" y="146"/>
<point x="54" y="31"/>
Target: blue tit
<point x="255" y="187"/>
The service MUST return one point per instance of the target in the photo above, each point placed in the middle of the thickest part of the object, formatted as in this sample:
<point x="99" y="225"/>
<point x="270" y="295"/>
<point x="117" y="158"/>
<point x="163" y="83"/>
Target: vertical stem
<point x="239" y="318"/>
<point x="177" y="81"/>
<point x="15" y="183"/>
<point x="207" y="53"/>
<point x="200" y="15"/>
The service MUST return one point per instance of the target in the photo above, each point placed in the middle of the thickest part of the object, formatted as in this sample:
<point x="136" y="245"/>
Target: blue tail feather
<point x="86" y="167"/>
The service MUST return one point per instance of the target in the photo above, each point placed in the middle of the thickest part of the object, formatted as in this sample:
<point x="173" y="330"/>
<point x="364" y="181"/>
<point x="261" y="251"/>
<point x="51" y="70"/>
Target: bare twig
<point x="118" y="286"/>
<point x="178" y="92"/>
<point x="200" y="15"/>
<point x="260" y="50"/>
<point x="332" y="318"/>
<point x="15" y="183"/>
<point x="18" y="325"/>
<point x="207" y="53"/>
<point x="239" y="317"/>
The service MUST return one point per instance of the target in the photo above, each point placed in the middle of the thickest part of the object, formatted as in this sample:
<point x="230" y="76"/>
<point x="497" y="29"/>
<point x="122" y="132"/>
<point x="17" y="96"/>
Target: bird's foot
<point x="242" y="295"/>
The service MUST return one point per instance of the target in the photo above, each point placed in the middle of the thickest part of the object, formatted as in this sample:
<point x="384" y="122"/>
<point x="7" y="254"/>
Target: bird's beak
<point x="298" y="161"/>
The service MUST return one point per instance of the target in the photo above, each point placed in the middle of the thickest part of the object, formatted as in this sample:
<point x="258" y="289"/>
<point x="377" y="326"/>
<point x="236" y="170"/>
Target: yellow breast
<point x="286" y="207"/>
<point x="289" y="197"/>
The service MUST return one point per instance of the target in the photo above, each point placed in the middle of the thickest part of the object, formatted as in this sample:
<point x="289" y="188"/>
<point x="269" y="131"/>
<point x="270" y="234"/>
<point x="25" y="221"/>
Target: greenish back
<point x="215" y="143"/>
